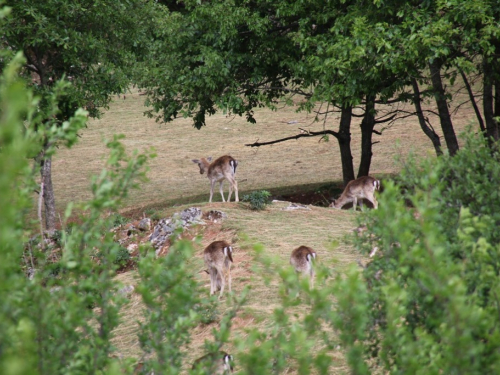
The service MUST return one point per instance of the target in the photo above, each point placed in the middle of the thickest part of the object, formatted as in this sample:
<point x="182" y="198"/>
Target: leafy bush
<point x="117" y="220"/>
<point x="434" y="282"/>
<point x="154" y="214"/>
<point x="122" y="257"/>
<point x="48" y="324"/>
<point x="257" y="199"/>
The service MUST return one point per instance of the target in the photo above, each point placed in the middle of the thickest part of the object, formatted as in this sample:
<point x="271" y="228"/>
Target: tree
<point x="94" y="46"/>
<point x="242" y="55"/>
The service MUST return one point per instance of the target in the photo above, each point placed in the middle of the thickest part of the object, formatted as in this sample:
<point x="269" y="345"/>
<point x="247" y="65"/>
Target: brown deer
<point x="218" y="257"/>
<point x="223" y="168"/>
<point x="361" y="188"/>
<point x="302" y="260"/>
<point x="219" y="363"/>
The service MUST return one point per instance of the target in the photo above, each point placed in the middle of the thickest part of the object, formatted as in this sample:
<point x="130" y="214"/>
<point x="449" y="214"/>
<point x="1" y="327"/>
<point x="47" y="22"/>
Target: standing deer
<point x="361" y="188"/>
<point x="222" y="168"/>
<point x="219" y="363"/>
<point x="302" y="260"/>
<point x="218" y="257"/>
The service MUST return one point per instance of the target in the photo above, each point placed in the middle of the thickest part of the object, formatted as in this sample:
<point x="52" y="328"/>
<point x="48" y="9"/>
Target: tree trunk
<point x="497" y="98"/>
<point x="473" y="101"/>
<point x="489" y="115"/>
<point x="428" y="131"/>
<point x="367" y="126"/>
<point x="344" y="140"/>
<point x="442" y="104"/>
<point x="48" y="192"/>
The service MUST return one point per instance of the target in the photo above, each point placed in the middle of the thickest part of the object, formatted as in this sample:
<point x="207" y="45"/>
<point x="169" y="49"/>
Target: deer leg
<point x="221" y="192"/>
<point x="213" y="281"/>
<point x="230" y="190"/>
<point x="212" y="184"/>
<point x="372" y="199"/>
<point x="235" y="186"/>
<point x="354" y="203"/>
<point x="223" y="282"/>
<point x="229" y="277"/>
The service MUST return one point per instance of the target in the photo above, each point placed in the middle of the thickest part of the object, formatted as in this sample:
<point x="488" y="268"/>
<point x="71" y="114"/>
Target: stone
<point x="166" y="227"/>
<point x="144" y="224"/>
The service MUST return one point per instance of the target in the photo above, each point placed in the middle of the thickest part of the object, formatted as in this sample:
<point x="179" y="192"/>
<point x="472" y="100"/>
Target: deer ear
<point x="195" y="161"/>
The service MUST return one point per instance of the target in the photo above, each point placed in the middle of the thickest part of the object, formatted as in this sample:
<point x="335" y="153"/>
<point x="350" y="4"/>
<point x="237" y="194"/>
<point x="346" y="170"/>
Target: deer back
<point x="218" y="252"/>
<point x="225" y="165"/>
<point x="302" y="257"/>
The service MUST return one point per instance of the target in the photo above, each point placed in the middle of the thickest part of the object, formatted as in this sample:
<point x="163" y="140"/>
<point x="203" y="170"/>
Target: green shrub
<point x="154" y="214"/>
<point x="434" y="282"/>
<point x="257" y="199"/>
<point x="117" y="220"/>
<point x="122" y="257"/>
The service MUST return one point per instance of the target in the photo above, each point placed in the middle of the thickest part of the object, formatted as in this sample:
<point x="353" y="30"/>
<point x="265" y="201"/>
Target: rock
<point x="166" y="227"/>
<point x="296" y="206"/>
<point x="144" y="224"/>
<point x="215" y="215"/>
<point x="191" y="215"/>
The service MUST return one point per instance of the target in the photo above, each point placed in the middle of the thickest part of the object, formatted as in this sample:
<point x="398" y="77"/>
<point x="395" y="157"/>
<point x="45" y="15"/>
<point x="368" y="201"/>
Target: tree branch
<point x="304" y="133"/>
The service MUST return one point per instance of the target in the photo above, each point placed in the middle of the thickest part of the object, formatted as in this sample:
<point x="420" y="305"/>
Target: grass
<point x="285" y="168"/>
<point x="278" y="231"/>
<point x="174" y="179"/>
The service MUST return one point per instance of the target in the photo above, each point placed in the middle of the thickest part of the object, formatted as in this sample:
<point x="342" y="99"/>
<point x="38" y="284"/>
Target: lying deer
<point x="302" y="260"/>
<point x="218" y="257"/>
<point x="219" y="363"/>
<point x="222" y="168"/>
<point x="361" y="188"/>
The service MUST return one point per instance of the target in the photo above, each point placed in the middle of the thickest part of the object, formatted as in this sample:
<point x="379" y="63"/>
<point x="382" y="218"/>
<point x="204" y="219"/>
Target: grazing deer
<point x="361" y="188"/>
<point x="219" y="363"/>
<point x="222" y="168"/>
<point x="302" y="260"/>
<point x="218" y="257"/>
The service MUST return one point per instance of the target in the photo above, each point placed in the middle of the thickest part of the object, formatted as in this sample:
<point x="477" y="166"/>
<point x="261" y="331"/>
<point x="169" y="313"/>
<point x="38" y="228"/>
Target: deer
<point x="219" y="363"/>
<point x="302" y="260"/>
<point x="223" y="168"/>
<point x="361" y="188"/>
<point x="218" y="257"/>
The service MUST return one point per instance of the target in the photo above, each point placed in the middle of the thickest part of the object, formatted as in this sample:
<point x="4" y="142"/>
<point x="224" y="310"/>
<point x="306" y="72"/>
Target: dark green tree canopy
<point x="94" y="45"/>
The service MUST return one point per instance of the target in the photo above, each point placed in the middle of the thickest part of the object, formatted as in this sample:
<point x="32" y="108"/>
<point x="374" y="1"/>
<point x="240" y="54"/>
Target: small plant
<point x="258" y="199"/>
<point x="154" y="214"/>
<point x="122" y="257"/>
<point x="207" y="311"/>
<point x="117" y="220"/>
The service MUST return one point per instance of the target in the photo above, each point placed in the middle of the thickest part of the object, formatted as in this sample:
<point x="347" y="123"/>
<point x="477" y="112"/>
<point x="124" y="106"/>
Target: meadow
<point x="174" y="183"/>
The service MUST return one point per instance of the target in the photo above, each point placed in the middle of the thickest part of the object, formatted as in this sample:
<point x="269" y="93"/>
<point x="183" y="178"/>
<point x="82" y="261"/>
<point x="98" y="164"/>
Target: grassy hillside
<point x="175" y="183"/>
<point x="173" y="178"/>
<point x="279" y="231"/>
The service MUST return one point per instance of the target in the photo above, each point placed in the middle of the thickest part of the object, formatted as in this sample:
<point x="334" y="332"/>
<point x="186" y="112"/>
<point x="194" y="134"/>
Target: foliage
<point x="154" y="214"/>
<point x="170" y="295"/>
<point x="92" y="47"/>
<point x="117" y="220"/>
<point x="432" y="302"/>
<point x="257" y="199"/>
<point x="49" y="324"/>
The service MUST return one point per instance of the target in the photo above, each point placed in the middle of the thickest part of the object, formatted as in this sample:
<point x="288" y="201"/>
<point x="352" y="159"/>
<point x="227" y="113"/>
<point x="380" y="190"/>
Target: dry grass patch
<point x="279" y="231"/>
<point x="174" y="179"/>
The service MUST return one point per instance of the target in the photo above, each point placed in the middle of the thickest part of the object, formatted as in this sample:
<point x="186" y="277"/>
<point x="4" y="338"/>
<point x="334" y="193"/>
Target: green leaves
<point x="432" y="283"/>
